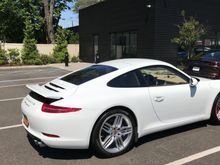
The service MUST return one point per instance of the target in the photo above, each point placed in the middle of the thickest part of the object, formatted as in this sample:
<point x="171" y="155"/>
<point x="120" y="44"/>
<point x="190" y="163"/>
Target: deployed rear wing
<point x="41" y="90"/>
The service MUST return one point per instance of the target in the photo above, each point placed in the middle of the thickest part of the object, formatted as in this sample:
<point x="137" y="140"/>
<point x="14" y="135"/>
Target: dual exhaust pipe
<point x="39" y="143"/>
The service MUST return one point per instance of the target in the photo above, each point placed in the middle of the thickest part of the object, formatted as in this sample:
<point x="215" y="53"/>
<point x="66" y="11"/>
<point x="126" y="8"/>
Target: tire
<point x="114" y="133"/>
<point x="215" y="114"/>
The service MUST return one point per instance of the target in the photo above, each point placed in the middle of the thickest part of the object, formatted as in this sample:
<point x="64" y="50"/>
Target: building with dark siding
<point x="141" y="28"/>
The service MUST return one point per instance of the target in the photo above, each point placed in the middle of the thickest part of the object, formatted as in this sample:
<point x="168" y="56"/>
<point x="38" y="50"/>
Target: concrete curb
<point x="72" y="66"/>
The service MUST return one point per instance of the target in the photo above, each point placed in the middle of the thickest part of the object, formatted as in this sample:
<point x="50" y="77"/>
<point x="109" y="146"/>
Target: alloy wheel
<point x="115" y="133"/>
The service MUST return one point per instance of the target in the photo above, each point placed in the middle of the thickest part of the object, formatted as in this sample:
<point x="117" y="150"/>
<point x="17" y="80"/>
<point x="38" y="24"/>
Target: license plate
<point x="25" y="121"/>
<point x="196" y="69"/>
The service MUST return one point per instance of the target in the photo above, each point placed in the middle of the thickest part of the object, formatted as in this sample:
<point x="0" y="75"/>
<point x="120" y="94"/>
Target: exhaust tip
<point x="39" y="143"/>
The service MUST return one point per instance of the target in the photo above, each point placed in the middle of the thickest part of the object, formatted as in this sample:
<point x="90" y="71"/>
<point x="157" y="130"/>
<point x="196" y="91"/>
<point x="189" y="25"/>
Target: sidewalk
<point x="71" y="67"/>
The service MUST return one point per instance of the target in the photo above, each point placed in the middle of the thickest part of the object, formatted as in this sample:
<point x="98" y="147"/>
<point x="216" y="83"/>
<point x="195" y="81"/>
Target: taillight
<point x="50" y="135"/>
<point x="57" y="109"/>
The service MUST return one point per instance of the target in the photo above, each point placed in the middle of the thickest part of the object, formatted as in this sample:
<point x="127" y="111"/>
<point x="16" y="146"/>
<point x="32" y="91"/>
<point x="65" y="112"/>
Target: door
<point x="171" y="95"/>
<point x="96" y="48"/>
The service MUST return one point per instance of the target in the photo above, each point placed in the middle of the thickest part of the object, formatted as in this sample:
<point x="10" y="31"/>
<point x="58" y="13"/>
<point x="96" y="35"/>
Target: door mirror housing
<point x="193" y="82"/>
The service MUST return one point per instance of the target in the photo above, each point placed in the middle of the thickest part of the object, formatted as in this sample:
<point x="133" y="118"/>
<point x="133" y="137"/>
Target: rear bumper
<point x="206" y="74"/>
<point x="36" y="140"/>
<point x="73" y="131"/>
<point x="206" y="69"/>
<point x="56" y="142"/>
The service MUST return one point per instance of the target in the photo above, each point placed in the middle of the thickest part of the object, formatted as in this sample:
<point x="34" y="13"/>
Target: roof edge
<point x="90" y="4"/>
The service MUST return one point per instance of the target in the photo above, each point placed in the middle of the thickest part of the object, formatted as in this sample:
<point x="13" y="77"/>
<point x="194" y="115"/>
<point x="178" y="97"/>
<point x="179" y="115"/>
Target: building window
<point x="212" y="40"/>
<point x="123" y="45"/>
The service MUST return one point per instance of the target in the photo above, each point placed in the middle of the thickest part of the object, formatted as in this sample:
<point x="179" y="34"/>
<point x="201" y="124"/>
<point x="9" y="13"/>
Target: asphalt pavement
<point x="156" y="149"/>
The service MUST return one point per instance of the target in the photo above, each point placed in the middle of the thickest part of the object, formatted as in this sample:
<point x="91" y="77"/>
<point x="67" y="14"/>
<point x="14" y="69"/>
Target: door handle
<point x="159" y="98"/>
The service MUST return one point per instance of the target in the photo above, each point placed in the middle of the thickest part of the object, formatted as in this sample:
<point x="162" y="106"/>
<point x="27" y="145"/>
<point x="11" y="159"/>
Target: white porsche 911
<point x="110" y="105"/>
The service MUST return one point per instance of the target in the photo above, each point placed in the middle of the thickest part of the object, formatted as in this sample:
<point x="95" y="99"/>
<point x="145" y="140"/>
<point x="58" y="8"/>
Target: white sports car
<point x="110" y="105"/>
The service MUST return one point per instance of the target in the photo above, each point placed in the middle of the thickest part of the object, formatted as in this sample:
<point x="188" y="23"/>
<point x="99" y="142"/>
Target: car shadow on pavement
<point x="71" y="154"/>
<point x="170" y="132"/>
<point x="65" y="154"/>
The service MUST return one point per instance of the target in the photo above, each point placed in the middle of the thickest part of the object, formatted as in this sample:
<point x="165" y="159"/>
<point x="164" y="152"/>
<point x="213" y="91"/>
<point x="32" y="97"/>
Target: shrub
<point x="29" y="52"/>
<point x="60" y="50"/>
<point x="3" y="58"/>
<point x="14" y="56"/>
<point x="75" y="59"/>
<point x="47" y="59"/>
<point x="59" y="55"/>
<point x="37" y="62"/>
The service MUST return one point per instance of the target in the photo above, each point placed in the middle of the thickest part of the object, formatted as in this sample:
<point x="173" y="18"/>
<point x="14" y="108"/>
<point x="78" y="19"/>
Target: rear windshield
<point x="87" y="74"/>
<point x="212" y="56"/>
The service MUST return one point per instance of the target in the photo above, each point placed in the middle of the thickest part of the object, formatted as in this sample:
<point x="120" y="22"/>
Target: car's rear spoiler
<point x="41" y="90"/>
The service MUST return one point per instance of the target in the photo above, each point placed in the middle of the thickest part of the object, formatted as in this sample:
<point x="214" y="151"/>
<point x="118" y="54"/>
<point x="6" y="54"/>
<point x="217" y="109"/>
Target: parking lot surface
<point x="156" y="149"/>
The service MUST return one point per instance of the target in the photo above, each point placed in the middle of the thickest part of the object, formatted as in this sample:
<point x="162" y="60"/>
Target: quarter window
<point x="127" y="80"/>
<point x="162" y="76"/>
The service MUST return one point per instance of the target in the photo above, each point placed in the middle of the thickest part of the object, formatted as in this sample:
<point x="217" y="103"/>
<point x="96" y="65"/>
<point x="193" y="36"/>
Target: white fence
<point x="47" y="49"/>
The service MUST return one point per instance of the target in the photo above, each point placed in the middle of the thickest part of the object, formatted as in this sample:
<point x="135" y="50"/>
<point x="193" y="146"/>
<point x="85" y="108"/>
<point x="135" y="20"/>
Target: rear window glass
<point x="88" y="74"/>
<point x="212" y="56"/>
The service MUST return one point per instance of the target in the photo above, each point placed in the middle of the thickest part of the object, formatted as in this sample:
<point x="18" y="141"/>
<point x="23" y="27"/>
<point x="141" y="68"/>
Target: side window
<point x="127" y="80"/>
<point x="162" y="76"/>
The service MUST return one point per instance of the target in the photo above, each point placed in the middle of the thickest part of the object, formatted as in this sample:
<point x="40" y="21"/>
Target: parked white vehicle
<point x="110" y="105"/>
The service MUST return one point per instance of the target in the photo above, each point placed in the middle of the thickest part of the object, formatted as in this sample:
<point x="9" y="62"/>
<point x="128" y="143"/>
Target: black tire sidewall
<point x="96" y="145"/>
<point x="214" y="119"/>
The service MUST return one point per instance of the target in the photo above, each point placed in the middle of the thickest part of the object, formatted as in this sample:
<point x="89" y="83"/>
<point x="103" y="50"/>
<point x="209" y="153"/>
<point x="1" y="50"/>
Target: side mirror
<point x="193" y="82"/>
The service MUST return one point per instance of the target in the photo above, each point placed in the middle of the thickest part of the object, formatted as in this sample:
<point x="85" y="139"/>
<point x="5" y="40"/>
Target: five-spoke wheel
<point x="114" y="133"/>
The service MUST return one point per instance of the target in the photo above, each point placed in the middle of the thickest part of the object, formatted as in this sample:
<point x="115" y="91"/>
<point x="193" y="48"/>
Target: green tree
<point x="29" y="52"/>
<point x="52" y="12"/>
<point x="34" y="10"/>
<point x="33" y="20"/>
<point x="60" y="50"/>
<point x="12" y="22"/>
<point x="73" y="38"/>
<point x="190" y="31"/>
<point x="11" y="17"/>
<point x="45" y="14"/>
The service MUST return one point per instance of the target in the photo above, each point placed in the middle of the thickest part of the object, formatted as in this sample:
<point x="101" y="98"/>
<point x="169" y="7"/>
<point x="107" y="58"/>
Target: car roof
<point x="129" y="62"/>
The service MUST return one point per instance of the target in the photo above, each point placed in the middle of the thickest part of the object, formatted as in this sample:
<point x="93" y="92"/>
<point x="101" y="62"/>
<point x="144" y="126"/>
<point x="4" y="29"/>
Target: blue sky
<point x="69" y="18"/>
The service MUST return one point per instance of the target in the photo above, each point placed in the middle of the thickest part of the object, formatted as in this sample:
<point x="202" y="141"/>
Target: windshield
<point x="212" y="56"/>
<point x="88" y="74"/>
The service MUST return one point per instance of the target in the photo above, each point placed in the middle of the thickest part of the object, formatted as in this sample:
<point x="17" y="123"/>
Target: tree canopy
<point x="11" y="17"/>
<point x="190" y="31"/>
<point x="44" y="15"/>
<point x="52" y="12"/>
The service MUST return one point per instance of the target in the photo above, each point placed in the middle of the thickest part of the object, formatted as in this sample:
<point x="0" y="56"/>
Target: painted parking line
<point x="8" y="86"/>
<point x="195" y="156"/>
<point x="11" y="126"/>
<point x="42" y="71"/>
<point x="26" y="79"/>
<point x="11" y="99"/>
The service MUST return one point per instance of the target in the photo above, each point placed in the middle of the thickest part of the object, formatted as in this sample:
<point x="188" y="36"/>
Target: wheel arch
<point x="118" y="107"/>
